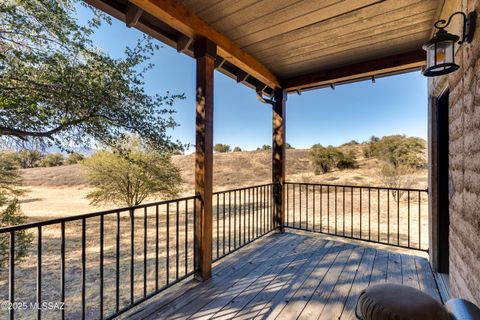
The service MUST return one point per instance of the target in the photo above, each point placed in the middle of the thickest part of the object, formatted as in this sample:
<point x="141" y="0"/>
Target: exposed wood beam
<point x="381" y="66"/>
<point x="242" y="76"/>
<point x="187" y="22"/>
<point x="183" y="43"/>
<point x="133" y="15"/>
<point x="219" y="62"/>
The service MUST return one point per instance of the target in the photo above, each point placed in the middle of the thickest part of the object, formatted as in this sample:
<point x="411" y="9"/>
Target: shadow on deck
<point x="294" y="275"/>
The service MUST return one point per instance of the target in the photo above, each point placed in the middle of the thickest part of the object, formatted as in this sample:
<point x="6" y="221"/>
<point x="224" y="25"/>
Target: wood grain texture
<point x="292" y="276"/>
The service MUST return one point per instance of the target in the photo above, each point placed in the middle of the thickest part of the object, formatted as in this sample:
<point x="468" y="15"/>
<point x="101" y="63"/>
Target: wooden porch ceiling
<point x="291" y="44"/>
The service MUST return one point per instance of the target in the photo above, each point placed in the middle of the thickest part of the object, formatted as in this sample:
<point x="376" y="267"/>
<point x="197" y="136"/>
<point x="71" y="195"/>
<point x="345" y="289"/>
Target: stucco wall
<point x="464" y="163"/>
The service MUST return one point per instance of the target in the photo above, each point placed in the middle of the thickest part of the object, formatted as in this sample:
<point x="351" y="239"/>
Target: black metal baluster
<point x="351" y="211"/>
<point x="294" y="205"/>
<point x="117" y="266"/>
<point x="62" y="267"/>
<point x="336" y="210"/>
<point x="398" y="217"/>
<point x="102" y="244"/>
<point x="39" y="272"/>
<point x="177" y="236"/>
<point x="343" y="207"/>
<point x="223" y="223"/>
<point x="186" y="237"/>
<point x="408" y="233"/>
<point x="369" y="215"/>
<point x="360" y="213"/>
<point x="144" y="252"/>
<point x="313" y="196"/>
<point x="235" y="219"/>
<point x="321" y="208"/>
<point x="378" y="215"/>
<point x="11" y="275"/>
<point x="168" y="244"/>
<point x="244" y="215"/>
<point x="218" y="225"/>
<point x="328" y="209"/>
<point x="229" y="221"/>
<point x="84" y="266"/>
<point x="156" y="247"/>
<point x="300" y="205"/>
<point x="306" y="207"/>
<point x="388" y="216"/>
<point x="288" y="204"/>
<point x="419" y="220"/>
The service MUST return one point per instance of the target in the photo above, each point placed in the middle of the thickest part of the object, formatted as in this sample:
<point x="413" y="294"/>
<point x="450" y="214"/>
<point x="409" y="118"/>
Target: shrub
<point x="398" y="150"/>
<point x="288" y="146"/>
<point x="324" y="158"/>
<point x="265" y="147"/>
<point x="130" y="179"/>
<point x="12" y="215"/>
<point x="237" y="149"/>
<point x="74" y="158"/>
<point x="29" y="158"/>
<point x="221" y="148"/>
<point x="52" y="160"/>
<point x="397" y="177"/>
<point x="348" y="161"/>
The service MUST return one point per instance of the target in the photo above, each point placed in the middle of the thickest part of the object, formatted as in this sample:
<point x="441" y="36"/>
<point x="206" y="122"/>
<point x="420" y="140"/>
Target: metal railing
<point x="241" y="216"/>
<point x="392" y="216"/>
<point x="101" y="264"/>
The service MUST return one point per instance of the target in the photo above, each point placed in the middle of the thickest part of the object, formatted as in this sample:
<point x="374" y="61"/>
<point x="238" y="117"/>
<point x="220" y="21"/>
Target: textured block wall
<point x="464" y="172"/>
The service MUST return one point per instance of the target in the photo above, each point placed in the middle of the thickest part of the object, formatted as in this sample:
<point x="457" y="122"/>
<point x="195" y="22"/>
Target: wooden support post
<point x="205" y="53"/>
<point x="278" y="158"/>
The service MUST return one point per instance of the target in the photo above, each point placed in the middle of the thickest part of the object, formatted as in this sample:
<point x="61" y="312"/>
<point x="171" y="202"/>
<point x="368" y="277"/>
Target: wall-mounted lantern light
<point x="441" y="48"/>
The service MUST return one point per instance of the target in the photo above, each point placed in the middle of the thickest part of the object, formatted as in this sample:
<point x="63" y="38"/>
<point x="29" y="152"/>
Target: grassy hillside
<point x="61" y="190"/>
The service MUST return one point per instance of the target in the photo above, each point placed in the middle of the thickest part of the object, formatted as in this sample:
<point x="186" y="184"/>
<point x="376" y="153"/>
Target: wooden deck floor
<point x="290" y="276"/>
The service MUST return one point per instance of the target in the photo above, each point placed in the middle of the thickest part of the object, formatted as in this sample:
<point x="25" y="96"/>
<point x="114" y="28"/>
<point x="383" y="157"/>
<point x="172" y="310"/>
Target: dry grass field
<point x="60" y="191"/>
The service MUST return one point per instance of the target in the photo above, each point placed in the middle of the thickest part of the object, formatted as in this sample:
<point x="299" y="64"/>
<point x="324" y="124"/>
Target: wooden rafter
<point x="187" y="22"/>
<point x="133" y="15"/>
<point x="381" y="66"/>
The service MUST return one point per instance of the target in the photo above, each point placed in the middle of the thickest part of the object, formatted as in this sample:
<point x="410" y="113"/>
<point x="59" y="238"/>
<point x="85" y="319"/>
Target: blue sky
<point x="393" y="105"/>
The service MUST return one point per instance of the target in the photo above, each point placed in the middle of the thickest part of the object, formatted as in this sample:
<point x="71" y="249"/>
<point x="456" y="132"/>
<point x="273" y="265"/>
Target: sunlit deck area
<point x="294" y="275"/>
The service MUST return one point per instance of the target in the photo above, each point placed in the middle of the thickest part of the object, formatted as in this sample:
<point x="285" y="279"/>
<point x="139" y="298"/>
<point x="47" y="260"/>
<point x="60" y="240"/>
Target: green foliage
<point x="56" y="88"/>
<point x="237" y="149"/>
<point x="289" y="146"/>
<point x="52" y="160"/>
<point x="324" y="159"/>
<point x="10" y="189"/>
<point x="221" y="148"/>
<point x="265" y="147"/>
<point x="398" y="150"/>
<point x="29" y="158"/>
<point x="12" y="215"/>
<point x="347" y="161"/>
<point x="74" y="158"/>
<point x="351" y="143"/>
<point x="130" y="179"/>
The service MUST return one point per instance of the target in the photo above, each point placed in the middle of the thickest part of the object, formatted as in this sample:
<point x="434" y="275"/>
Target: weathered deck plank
<point x="291" y="276"/>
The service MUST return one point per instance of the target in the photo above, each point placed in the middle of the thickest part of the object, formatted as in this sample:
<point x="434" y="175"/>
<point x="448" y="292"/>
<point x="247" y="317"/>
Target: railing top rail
<point x="88" y="215"/>
<point x="243" y="188"/>
<point x="353" y="186"/>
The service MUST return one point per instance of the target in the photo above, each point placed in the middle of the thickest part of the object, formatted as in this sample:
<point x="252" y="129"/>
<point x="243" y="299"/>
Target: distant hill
<point x="236" y="169"/>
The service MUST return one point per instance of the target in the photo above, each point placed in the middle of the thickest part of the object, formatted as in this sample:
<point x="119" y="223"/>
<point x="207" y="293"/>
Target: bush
<point x="29" y="158"/>
<point x="397" y="177"/>
<point x="324" y="158"/>
<point x="237" y="149"/>
<point x="348" y="161"/>
<point x="52" y="160"/>
<point x="12" y="215"/>
<point x="130" y="179"/>
<point x="265" y="147"/>
<point x="289" y="146"/>
<point x="221" y="148"/>
<point x="398" y="150"/>
<point x="74" y="158"/>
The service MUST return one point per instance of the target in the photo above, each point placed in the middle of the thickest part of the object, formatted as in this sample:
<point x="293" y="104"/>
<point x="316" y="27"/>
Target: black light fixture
<point x="441" y="48"/>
